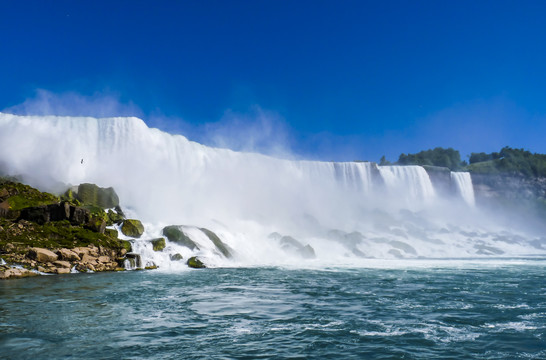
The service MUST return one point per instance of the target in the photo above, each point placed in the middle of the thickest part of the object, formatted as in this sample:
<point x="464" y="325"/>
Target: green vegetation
<point x="52" y="235"/>
<point x="20" y="196"/>
<point x="448" y="158"/>
<point x="506" y="161"/>
<point x="509" y="161"/>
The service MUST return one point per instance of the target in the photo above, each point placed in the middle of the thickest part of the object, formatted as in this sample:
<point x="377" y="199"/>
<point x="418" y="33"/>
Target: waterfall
<point x="409" y="182"/>
<point x="267" y="210"/>
<point x="463" y="184"/>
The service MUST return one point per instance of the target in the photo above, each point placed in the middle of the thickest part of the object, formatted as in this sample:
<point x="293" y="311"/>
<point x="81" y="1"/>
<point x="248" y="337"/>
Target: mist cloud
<point x="99" y="104"/>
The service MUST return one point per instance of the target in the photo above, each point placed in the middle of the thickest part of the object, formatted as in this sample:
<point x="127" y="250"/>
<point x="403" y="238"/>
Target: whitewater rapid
<point x="347" y="212"/>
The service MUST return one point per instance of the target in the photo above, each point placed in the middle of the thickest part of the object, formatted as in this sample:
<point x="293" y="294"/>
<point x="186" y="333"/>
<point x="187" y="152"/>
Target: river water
<point x="445" y="309"/>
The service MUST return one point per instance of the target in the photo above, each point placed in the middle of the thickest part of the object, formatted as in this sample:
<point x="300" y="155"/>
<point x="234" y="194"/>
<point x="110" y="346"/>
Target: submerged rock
<point x="175" y="234"/>
<point x="158" y="244"/>
<point x="217" y="242"/>
<point x="132" y="228"/>
<point x="195" y="263"/>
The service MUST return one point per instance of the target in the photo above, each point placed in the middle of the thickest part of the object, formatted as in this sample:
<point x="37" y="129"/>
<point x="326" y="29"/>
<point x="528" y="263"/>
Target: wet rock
<point x="14" y="273"/>
<point x="158" y="244"/>
<point x="290" y="244"/>
<point x="223" y="248"/>
<point x="195" y="263"/>
<point x="62" y="270"/>
<point x="176" y="257"/>
<point x="175" y="234"/>
<point x="132" y="228"/>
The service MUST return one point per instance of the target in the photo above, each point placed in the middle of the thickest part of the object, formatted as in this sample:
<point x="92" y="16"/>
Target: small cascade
<point x="463" y="184"/>
<point x="411" y="183"/>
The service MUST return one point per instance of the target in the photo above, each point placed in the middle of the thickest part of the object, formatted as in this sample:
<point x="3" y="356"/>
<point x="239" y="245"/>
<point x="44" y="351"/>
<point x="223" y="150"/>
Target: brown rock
<point x="62" y="264"/>
<point x="16" y="273"/>
<point x="62" y="270"/>
<point x="88" y="259"/>
<point x="104" y="259"/>
<point x="68" y="255"/>
<point x="42" y="255"/>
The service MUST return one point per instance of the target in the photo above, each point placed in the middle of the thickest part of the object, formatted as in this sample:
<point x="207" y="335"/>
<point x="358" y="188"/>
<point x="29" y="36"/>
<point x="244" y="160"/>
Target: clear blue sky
<point x="335" y="80"/>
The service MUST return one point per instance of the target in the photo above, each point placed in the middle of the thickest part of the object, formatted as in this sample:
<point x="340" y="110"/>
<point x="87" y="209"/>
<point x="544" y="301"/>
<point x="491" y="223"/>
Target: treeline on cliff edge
<point x="506" y="161"/>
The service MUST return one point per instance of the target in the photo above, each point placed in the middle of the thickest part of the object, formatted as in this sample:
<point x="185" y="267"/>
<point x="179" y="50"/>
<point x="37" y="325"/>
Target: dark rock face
<point x="93" y="195"/>
<point x="488" y="186"/>
<point x="217" y="242"/>
<point x="175" y="234"/>
<point x="79" y="215"/>
<point x="56" y="212"/>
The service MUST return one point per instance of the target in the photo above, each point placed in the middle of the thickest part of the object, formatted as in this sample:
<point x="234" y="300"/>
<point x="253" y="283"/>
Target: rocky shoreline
<point x="41" y="233"/>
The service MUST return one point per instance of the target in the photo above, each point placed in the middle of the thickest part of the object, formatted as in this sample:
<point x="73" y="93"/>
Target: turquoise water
<point x="466" y="310"/>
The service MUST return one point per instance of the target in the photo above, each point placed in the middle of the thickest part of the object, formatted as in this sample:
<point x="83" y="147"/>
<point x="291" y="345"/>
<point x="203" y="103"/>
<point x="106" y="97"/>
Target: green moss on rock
<point x="175" y="234"/>
<point x="132" y="228"/>
<point x="126" y="245"/>
<point x="20" y="196"/>
<point x="91" y="194"/>
<point x="158" y="244"/>
<point x="195" y="263"/>
<point x="113" y="233"/>
<point x="217" y="242"/>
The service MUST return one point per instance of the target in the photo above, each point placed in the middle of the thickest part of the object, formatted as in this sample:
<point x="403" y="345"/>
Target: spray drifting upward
<point x="343" y="210"/>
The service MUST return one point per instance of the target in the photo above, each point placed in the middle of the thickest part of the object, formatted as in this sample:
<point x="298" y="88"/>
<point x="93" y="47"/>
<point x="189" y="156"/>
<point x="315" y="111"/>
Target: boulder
<point x="62" y="270"/>
<point x="175" y="234"/>
<point x="158" y="244"/>
<point x="114" y="217"/>
<point x="217" y="242"/>
<point x="132" y="228"/>
<point x="68" y="255"/>
<point x="62" y="264"/>
<point x="91" y="194"/>
<point x="14" y="273"/>
<point x="195" y="263"/>
<point x="42" y="255"/>
<point x="96" y="224"/>
<point x="176" y="257"/>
